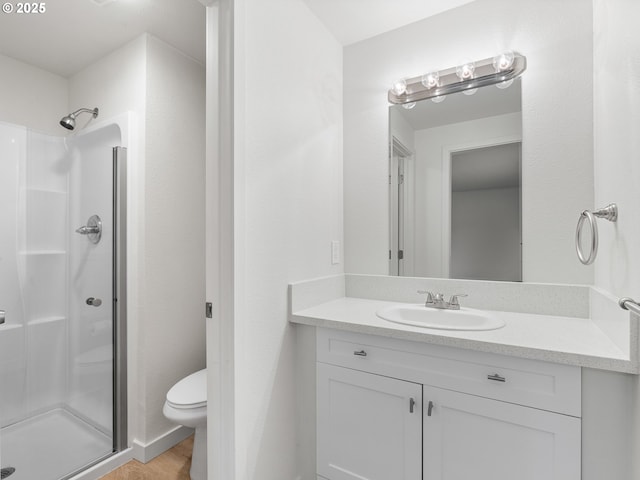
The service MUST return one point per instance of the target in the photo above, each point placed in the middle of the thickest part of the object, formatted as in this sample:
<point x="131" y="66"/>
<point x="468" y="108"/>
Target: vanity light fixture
<point x="499" y="70"/>
<point x="505" y="84"/>
<point x="431" y="80"/>
<point x="399" y="87"/>
<point x="465" y="72"/>
<point x="503" y="62"/>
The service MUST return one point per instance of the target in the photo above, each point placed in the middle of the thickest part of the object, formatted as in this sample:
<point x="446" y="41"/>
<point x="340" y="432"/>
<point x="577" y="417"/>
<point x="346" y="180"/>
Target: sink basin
<point x="421" y="316"/>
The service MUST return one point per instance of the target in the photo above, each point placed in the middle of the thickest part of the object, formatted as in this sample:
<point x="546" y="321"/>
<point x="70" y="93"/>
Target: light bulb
<point x="439" y="99"/>
<point x="408" y="106"/>
<point x="465" y="72"/>
<point x="505" y="84"/>
<point x="503" y="61"/>
<point x="431" y="80"/>
<point x="399" y="87"/>
<point x="470" y="91"/>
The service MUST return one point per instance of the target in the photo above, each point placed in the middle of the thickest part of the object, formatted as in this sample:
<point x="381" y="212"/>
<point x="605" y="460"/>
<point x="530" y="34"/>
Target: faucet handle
<point x="453" y="301"/>
<point x="429" y="296"/>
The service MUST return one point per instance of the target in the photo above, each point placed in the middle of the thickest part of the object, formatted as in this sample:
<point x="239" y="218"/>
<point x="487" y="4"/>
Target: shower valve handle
<point x="94" y="302"/>
<point x="87" y="230"/>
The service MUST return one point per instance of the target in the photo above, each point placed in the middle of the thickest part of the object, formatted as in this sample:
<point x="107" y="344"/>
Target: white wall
<point x="617" y="144"/>
<point x="173" y="322"/>
<point x="617" y="173"/>
<point x="31" y="96"/>
<point x="165" y="91"/>
<point x="401" y="130"/>
<point x="557" y="166"/>
<point x="288" y="208"/>
<point x="430" y="145"/>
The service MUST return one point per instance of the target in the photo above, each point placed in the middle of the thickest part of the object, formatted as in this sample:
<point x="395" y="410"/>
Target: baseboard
<point x="106" y="466"/>
<point x="146" y="453"/>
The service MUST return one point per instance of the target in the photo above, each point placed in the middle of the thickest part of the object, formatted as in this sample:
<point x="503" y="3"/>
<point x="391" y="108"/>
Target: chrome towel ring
<point x="610" y="212"/>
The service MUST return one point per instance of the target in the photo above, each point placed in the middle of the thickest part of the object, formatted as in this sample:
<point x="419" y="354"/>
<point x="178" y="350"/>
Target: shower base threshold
<point x="51" y="446"/>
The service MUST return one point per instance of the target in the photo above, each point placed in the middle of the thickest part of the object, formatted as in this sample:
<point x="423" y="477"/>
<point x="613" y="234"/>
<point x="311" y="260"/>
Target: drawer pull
<point x="429" y="408"/>
<point x="496" y="378"/>
<point x="360" y="353"/>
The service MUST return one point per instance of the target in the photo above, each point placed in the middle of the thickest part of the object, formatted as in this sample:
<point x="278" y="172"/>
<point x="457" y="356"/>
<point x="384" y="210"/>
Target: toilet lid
<point x="190" y="392"/>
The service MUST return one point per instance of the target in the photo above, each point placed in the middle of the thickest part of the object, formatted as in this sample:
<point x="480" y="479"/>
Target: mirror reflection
<point x="455" y="186"/>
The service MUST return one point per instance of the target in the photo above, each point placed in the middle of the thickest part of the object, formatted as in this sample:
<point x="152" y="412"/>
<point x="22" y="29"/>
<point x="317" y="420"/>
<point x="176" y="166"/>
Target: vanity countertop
<point x="559" y="339"/>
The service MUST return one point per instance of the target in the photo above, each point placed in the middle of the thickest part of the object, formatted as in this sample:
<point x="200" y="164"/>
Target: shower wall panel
<point x="13" y="145"/>
<point x="33" y="272"/>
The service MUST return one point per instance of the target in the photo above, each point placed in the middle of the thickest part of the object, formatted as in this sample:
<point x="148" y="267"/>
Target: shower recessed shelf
<point x="44" y="320"/>
<point x="46" y="190"/>
<point x="44" y="252"/>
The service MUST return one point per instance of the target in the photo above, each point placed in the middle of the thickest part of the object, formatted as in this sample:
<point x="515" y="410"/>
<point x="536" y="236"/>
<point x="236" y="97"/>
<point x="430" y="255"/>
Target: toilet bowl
<point x="186" y="405"/>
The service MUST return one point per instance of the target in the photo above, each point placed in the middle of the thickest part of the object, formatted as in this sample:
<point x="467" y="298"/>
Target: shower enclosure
<point x="62" y="291"/>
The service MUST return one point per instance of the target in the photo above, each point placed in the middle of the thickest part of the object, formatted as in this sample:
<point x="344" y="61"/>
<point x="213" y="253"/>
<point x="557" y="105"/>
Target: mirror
<point x="455" y="186"/>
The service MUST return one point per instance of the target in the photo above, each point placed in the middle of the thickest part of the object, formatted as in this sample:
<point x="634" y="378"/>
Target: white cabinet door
<point x="369" y="426"/>
<point x="468" y="437"/>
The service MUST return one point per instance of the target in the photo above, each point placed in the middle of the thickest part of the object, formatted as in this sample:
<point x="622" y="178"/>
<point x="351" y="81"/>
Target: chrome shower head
<point x="69" y="121"/>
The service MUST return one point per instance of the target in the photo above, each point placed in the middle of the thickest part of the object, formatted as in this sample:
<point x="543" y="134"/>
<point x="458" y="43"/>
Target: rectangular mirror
<point x="455" y="208"/>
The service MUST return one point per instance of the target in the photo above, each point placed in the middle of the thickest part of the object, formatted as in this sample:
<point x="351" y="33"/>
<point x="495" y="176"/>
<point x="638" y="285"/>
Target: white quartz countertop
<point x="566" y="340"/>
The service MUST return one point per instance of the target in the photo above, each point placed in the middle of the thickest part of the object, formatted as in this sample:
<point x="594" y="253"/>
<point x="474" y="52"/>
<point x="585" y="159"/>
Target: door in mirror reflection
<point x="485" y="221"/>
<point x="401" y="212"/>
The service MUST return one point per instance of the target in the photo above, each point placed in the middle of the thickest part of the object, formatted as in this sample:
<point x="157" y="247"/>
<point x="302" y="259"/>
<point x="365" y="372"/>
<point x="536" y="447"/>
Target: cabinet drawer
<point x="534" y="383"/>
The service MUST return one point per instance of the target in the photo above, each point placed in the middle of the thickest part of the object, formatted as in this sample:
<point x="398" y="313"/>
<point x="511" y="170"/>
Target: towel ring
<point x="610" y="212"/>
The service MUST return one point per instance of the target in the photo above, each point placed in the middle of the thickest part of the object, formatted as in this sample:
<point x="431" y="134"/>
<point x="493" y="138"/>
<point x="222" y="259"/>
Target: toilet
<point x="186" y="405"/>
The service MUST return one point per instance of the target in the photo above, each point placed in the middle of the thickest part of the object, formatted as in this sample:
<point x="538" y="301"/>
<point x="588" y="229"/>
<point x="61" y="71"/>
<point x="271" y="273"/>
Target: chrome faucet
<point x="437" y="300"/>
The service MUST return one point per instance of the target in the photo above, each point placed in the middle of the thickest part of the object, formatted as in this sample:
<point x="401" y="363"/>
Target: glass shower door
<point x="13" y="139"/>
<point x="58" y="288"/>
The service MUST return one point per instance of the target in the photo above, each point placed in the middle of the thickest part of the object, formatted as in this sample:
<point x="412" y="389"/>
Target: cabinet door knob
<point x="429" y="408"/>
<point x="412" y="404"/>
<point x="360" y="353"/>
<point x="496" y="378"/>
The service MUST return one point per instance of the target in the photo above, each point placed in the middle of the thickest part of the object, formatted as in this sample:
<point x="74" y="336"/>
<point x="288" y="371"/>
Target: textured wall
<point x="288" y="208"/>
<point x="31" y="96"/>
<point x="617" y="176"/>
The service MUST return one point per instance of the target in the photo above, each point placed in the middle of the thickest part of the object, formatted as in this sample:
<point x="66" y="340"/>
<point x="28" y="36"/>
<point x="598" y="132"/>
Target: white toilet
<point x="187" y="405"/>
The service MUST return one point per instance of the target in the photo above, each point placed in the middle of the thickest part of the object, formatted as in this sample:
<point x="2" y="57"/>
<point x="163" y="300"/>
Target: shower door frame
<point x="119" y="310"/>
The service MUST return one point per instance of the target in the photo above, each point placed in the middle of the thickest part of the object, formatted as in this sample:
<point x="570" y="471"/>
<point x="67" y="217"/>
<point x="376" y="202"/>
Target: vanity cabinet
<point x="370" y="426"/>
<point x="394" y="409"/>
<point x="474" y="437"/>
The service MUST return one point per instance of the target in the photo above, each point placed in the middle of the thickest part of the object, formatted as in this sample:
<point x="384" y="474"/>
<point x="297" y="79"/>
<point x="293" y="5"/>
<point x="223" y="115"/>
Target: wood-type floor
<point x="174" y="464"/>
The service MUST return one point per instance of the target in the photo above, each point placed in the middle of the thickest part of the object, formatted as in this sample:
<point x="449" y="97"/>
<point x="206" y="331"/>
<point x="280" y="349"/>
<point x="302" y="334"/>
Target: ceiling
<point x="72" y="34"/>
<point x="486" y="168"/>
<point x="351" y="21"/>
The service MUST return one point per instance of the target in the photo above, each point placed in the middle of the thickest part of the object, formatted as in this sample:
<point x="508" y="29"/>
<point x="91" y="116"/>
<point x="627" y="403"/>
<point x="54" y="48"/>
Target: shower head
<point x="69" y="121"/>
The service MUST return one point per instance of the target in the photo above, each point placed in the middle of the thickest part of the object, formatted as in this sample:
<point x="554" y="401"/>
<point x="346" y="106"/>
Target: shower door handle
<point x="3" y="316"/>
<point x="94" y="302"/>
